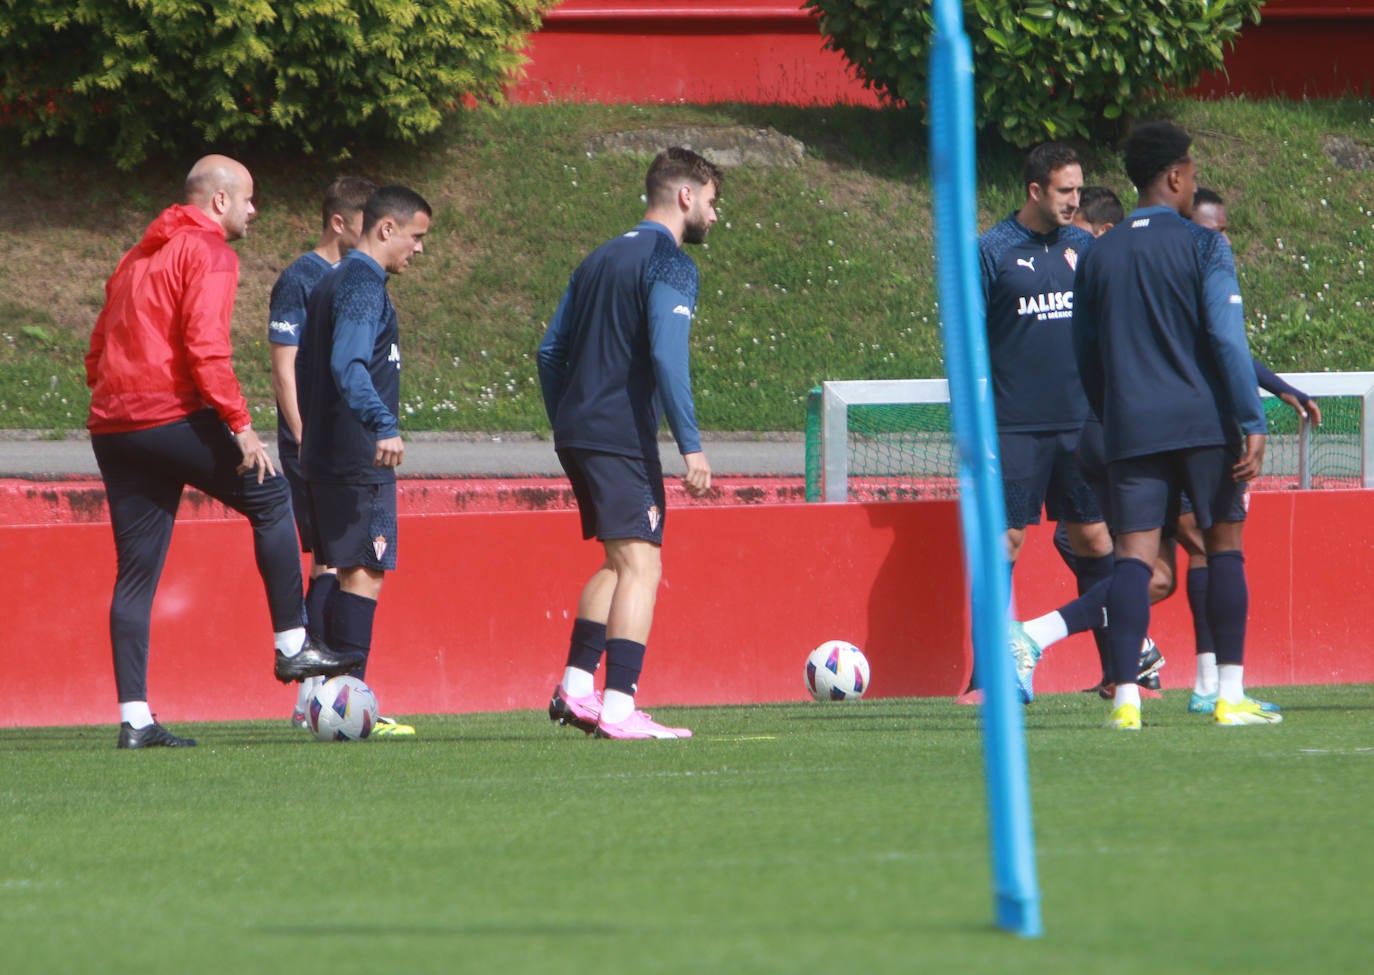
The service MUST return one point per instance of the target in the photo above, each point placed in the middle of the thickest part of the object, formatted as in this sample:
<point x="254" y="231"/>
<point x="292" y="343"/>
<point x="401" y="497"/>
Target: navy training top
<point x="1028" y="292"/>
<point x="615" y="358"/>
<point x="348" y="374"/>
<point x="286" y="312"/>
<point x="1159" y="334"/>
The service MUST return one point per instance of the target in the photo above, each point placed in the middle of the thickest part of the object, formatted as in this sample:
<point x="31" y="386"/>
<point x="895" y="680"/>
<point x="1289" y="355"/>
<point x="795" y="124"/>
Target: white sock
<point x="578" y="682"/>
<point x="289" y="642"/>
<point x="1231" y="682"/>
<point x="1126" y="694"/>
<point x="1206" y="680"/>
<point x="1047" y="629"/>
<point x="616" y="706"/>
<point x="306" y="690"/>
<point x="135" y="714"/>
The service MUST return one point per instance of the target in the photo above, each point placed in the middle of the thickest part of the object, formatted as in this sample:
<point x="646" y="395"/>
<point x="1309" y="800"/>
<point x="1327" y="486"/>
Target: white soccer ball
<point x="343" y="709"/>
<point x="837" y="671"/>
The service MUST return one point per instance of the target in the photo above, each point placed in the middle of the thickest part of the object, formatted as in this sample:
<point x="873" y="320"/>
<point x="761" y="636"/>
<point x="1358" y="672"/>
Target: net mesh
<point x="906" y="451"/>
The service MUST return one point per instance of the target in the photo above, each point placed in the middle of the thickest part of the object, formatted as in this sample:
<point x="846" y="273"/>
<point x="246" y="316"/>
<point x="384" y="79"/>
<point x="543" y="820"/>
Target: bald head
<point x="223" y="189"/>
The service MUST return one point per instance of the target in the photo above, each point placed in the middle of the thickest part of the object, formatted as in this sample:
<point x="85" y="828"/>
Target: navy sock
<point x="1128" y="607"/>
<point x="1061" y="545"/>
<point x="1228" y="605"/>
<point x="624" y="661"/>
<point x="351" y="625"/>
<point x="1092" y="572"/>
<point x="1085" y="612"/>
<point x="587" y="645"/>
<point x="1198" y="583"/>
<point x="319" y="596"/>
<point x="1093" y="569"/>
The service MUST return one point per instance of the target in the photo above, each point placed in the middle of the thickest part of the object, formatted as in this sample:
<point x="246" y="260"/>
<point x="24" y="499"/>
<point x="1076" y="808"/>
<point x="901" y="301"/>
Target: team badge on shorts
<point x="379" y="546"/>
<point x="1071" y="257"/>
<point x="654" y="516"/>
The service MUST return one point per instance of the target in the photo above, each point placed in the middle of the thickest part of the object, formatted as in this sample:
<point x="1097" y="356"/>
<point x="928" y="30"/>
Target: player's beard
<point x="695" y="232"/>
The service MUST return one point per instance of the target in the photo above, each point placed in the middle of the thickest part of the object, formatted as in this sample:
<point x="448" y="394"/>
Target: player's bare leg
<point x="638" y="567"/>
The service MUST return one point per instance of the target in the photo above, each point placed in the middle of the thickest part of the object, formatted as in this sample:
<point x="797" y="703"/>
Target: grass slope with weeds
<point x="822" y="270"/>
<point x="797" y="838"/>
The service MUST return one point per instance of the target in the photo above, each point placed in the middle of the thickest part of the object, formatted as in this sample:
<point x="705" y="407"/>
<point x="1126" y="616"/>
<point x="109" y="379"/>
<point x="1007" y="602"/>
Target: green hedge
<point x="1043" y="69"/>
<point x="128" y="77"/>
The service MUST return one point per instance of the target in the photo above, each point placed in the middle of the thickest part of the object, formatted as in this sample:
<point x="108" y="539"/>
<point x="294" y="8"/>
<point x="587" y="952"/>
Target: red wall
<point x="770" y="51"/>
<point x="1301" y="48"/>
<point x="699" y="51"/>
<point x="476" y="618"/>
<point x="1310" y="586"/>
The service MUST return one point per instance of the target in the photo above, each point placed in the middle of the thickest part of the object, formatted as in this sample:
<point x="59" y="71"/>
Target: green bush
<point x="132" y="76"/>
<point x="1043" y="69"/>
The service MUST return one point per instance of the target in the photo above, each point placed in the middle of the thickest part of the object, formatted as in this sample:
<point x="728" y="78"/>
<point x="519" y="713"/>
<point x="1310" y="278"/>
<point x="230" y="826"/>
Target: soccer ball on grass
<point x="343" y="709"/>
<point x="837" y="671"/>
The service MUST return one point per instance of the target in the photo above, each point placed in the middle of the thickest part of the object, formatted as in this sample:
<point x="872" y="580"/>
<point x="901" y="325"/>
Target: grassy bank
<point x="821" y="271"/>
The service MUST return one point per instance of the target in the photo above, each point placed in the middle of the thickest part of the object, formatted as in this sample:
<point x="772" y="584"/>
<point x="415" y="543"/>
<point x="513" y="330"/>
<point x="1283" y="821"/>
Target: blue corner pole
<point x="981" y="511"/>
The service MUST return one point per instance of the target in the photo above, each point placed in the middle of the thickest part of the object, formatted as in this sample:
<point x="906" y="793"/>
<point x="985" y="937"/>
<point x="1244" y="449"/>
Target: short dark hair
<point x="396" y="201"/>
<point x="1203" y="195"/>
<point x="1100" y="205"/>
<point x="1045" y="159"/>
<point x="674" y="165"/>
<point x="1153" y="148"/>
<point x="345" y="196"/>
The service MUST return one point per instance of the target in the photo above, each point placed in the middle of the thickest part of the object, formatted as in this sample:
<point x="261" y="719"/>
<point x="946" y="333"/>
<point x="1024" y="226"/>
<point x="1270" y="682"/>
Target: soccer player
<point x="1209" y="210"/>
<point x="1160" y="341"/>
<point x="1028" y="263"/>
<point x="342" y="217"/>
<point x="166" y="411"/>
<point x="1099" y="210"/>
<point x="348" y="382"/>
<point x="613" y="362"/>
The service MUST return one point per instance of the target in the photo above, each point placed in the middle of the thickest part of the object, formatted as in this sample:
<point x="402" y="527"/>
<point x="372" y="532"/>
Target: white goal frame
<point x="837" y="396"/>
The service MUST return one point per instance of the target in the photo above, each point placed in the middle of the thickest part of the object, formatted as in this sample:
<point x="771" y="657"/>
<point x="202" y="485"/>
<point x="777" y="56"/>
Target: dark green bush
<point x="1043" y="69"/>
<point x="128" y="76"/>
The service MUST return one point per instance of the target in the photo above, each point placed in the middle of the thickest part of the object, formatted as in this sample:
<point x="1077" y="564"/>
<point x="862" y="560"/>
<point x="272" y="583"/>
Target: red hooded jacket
<point x="161" y="349"/>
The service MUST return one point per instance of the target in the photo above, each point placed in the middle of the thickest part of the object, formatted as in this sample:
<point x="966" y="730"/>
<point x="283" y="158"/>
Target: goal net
<point x="891" y="440"/>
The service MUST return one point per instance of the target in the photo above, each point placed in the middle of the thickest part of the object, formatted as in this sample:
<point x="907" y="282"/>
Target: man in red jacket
<point x="167" y="411"/>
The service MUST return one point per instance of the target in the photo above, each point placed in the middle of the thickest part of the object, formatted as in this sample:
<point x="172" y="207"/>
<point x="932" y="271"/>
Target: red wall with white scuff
<point x="476" y="617"/>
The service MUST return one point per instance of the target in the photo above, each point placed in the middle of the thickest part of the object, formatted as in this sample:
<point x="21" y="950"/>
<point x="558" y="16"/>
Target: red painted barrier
<point x="771" y="52"/>
<point x="477" y="616"/>
<point x="1310" y="584"/>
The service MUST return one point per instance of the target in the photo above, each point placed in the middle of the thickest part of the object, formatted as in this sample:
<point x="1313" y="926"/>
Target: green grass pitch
<point x="798" y="838"/>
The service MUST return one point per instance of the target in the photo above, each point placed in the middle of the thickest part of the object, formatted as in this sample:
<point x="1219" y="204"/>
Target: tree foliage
<point x="1043" y="69"/>
<point x="131" y="76"/>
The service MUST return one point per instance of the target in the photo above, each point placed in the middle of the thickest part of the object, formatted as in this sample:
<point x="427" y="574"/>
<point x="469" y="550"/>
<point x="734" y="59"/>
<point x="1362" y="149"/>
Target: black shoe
<point x="316" y="660"/>
<point x="153" y="736"/>
<point x="1151" y="663"/>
